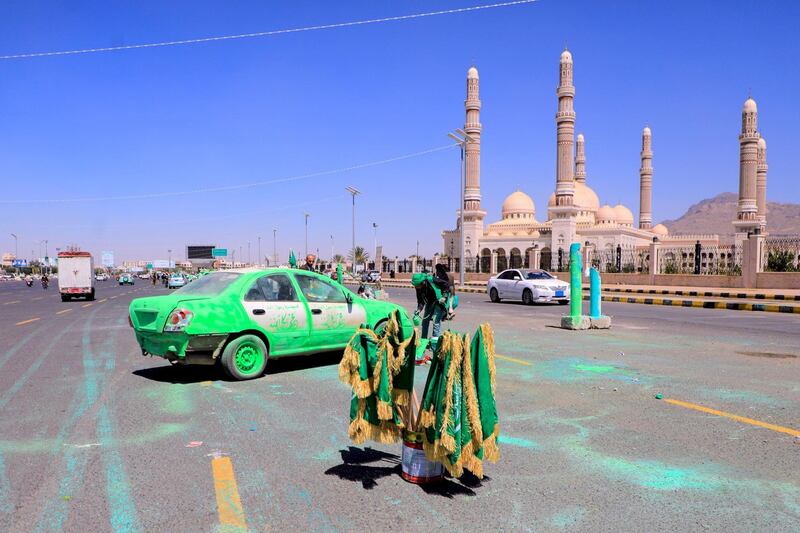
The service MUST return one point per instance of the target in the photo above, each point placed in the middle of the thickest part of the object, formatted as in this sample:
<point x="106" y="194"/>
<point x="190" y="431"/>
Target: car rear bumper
<point x="180" y="346"/>
<point x="76" y="290"/>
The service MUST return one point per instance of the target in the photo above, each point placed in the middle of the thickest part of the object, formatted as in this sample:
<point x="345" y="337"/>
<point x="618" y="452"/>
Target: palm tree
<point x="338" y="258"/>
<point x="358" y="255"/>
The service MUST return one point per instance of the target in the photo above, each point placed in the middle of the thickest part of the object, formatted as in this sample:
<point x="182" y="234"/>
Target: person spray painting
<point x="436" y="301"/>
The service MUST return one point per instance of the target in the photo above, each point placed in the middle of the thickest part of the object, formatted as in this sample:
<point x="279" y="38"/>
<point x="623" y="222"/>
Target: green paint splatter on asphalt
<point x="594" y="368"/>
<point x="568" y="517"/>
<point x="514" y="441"/>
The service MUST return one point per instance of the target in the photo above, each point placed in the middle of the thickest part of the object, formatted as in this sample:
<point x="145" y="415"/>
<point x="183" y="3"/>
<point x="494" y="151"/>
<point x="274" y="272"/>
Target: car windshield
<point x="210" y="285"/>
<point x="538" y="275"/>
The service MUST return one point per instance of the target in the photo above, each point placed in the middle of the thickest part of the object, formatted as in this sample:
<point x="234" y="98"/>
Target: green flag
<point x="292" y="259"/>
<point x="458" y="409"/>
<point x="339" y="277"/>
<point x="380" y="370"/>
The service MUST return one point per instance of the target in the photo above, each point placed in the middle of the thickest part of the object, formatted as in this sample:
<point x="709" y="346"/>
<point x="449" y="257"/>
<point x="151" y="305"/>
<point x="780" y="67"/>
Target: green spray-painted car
<point x="243" y="317"/>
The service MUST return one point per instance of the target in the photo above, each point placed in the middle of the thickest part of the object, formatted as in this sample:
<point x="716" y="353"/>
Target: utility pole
<point x="169" y="259"/>
<point x="259" y="251"/>
<point x="375" y="245"/>
<point x="16" y="246"/>
<point x="332" y="249"/>
<point x="275" y="246"/>
<point x="307" y="215"/>
<point x="354" y="192"/>
<point x="249" y="259"/>
<point x="461" y="137"/>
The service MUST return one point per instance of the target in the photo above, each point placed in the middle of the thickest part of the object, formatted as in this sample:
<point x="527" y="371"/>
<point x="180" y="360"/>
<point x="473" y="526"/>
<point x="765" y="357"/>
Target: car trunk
<point x="150" y="314"/>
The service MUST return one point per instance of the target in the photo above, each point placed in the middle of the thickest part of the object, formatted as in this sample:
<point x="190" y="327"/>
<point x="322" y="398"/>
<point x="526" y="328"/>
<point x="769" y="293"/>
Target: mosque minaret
<point x="574" y="212"/>
<point x="747" y="208"/>
<point x="761" y="183"/>
<point x="580" y="160"/>
<point x="646" y="181"/>
<point x="565" y="134"/>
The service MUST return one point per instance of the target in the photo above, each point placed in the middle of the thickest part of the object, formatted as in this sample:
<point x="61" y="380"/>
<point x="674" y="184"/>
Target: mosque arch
<point x="515" y="258"/>
<point x="502" y="259"/>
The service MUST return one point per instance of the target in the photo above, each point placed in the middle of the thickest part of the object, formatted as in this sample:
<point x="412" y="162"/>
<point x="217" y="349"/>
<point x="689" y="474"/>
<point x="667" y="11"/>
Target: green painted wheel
<point x="245" y="357"/>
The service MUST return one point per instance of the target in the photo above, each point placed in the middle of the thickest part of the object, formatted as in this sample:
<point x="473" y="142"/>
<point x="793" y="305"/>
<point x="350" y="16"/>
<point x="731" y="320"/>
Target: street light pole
<point x="354" y="192"/>
<point x="16" y="246"/>
<point x="249" y="259"/>
<point x="169" y="259"/>
<point x="259" y="251"/>
<point x="332" y="249"/>
<point x="462" y="139"/>
<point x="275" y="246"/>
<point x="307" y="215"/>
<point x="375" y="244"/>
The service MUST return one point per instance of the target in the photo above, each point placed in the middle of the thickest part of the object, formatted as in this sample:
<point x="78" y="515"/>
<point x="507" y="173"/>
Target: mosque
<point x="574" y="211"/>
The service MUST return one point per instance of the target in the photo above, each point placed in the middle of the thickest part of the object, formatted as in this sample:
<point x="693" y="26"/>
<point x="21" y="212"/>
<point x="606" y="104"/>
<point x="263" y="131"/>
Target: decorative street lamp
<point x="461" y="137"/>
<point x="354" y="192"/>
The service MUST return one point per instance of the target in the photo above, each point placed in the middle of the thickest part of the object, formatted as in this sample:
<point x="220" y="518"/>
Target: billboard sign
<point x="219" y="252"/>
<point x="200" y="252"/>
<point x="19" y="263"/>
<point x="163" y="263"/>
<point x="107" y="259"/>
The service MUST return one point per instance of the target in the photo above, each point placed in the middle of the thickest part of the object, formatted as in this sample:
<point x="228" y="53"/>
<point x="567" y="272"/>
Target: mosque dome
<point x="566" y="57"/>
<point x="750" y="106"/>
<point x="518" y="205"/>
<point x="472" y="73"/>
<point x="624" y="215"/>
<point x="660" y="229"/>
<point x="584" y="198"/>
<point x="606" y="215"/>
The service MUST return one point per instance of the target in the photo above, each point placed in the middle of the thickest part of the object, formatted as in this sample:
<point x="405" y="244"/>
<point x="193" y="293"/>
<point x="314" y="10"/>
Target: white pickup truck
<point x="75" y="275"/>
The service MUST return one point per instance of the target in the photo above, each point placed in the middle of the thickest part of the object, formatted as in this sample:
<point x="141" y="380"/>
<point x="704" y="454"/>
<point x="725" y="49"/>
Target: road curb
<point x="675" y="302"/>
<point x="714" y="294"/>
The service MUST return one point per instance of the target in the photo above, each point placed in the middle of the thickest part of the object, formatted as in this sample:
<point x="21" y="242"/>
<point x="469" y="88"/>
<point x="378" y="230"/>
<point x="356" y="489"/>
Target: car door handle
<point x="258" y="311"/>
<point x="316" y="311"/>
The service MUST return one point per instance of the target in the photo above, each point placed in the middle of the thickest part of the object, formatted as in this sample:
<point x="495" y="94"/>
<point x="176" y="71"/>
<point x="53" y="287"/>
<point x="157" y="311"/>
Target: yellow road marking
<point x="63" y="311"/>
<point x="229" y="505"/>
<point x="14" y="302"/>
<point x="86" y="305"/>
<point x="512" y="359"/>
<point x="103" y="300"/>
<point x="738" y="418"/>
<point x="27" y="321"/>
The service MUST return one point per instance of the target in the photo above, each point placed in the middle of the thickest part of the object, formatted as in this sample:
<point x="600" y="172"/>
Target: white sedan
<point x="527" y="285"/>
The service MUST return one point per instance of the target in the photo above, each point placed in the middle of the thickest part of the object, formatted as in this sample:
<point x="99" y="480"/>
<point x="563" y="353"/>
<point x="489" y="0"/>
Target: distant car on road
<point x="6" y="277"/>
<point x="126" y="279"/>
<point x="176" y="281"/>
<point x="528" y="286"/>
<point x="144" y="275"/>
<point x="371" y="276"/>
<point x="242" y="318"/>
<point x="100" y="277"/>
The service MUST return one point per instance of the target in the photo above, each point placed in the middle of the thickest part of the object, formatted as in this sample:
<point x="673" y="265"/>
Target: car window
<point x="319" y="290"/>
<point x="539" y="275"/>
<point x="515" y="275"/>
<point x="505" y="275"/>
<point x="210" y="285"/>
<point x="274" y="288"/>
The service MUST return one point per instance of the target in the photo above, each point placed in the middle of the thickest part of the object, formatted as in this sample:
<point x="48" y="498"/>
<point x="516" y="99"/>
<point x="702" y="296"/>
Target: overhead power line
<point x="269" y="33"/>
<point x="229" y="187"/>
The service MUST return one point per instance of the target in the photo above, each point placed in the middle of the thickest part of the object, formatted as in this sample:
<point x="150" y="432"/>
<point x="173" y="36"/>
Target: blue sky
<point x="217" y="114"/>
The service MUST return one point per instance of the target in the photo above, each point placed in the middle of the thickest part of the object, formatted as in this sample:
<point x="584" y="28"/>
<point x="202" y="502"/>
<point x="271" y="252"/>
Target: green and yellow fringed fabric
<point x="381" y="374"/>
<point x="458" y="411"/>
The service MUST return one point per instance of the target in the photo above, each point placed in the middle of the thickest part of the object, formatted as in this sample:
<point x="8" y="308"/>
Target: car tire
<point x="380" y="327"/>
<point x="245" y="357"/>
<point x="91" y="296"/>
<point x="493" y="296"/>
<point x="563" y="302"/>
<point x="527" y="297"/>
<point x="64" y="298"/>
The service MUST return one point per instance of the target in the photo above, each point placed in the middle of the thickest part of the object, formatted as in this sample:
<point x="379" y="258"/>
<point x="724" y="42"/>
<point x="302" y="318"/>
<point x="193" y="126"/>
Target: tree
<point x="338" y="258"/>
<point x="358" y="255"/>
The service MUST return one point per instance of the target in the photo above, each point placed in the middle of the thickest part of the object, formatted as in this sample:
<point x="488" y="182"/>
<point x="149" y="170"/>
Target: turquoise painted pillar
<point x="594" y="293"/>
<point x="576" y="288"/>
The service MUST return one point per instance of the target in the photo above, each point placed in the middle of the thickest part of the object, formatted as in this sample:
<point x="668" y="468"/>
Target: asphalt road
<point x="95" y="437"/>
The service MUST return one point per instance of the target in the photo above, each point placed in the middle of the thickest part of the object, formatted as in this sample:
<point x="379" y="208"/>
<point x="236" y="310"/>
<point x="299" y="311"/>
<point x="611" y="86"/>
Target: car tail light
<point x="178" y="320"/>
